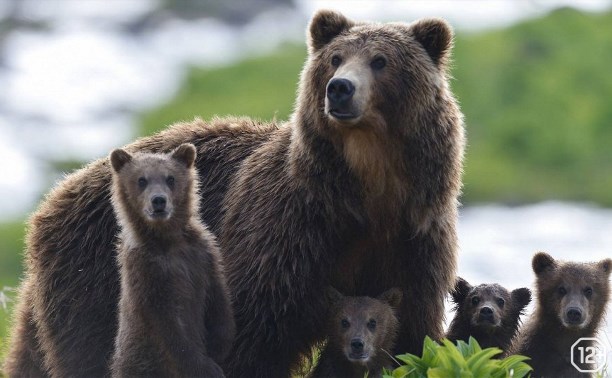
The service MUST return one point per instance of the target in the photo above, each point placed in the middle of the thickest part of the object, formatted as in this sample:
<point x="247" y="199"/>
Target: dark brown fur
<point x="369" y="322"/>
<point x="175" y="318"/>
<point x="309" y="208"/>
<point x="487" y="312"/>
<point x="71" y="289"/>
<point x="547" y="336"/>
<point x="296" y="207"/>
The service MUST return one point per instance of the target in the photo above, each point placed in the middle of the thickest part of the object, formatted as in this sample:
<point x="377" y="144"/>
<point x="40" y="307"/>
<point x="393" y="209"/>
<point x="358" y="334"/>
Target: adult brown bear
<point x="358" y="190"/>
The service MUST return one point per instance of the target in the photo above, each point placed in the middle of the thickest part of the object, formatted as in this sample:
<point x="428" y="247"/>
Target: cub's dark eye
<point x="372" y="325"/>
<point x="562" y="291"/>
<point x="475" y="301"/>
<point x="345" y="323"/>
<point x="336" y="61"/>
<point x="588" y="291"/>
<point x="378" y="63"/>
<point x="142" y="183"/>
<point x="170" y="181"/>
<point x="501" y="302"/>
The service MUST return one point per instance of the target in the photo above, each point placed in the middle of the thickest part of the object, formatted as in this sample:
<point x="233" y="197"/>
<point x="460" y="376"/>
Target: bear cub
<point x="361" y="335"/>
<point x="487" y="312"/>
<point x="175" y="317"/>
<point x="571" y="302"/>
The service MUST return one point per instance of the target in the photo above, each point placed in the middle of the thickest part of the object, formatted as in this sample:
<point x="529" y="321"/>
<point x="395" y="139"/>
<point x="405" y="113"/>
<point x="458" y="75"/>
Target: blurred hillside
<point x="536" y="97"/>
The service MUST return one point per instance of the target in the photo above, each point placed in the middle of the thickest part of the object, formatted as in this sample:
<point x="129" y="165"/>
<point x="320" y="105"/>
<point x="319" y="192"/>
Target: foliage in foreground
<point x="463" y="360"/>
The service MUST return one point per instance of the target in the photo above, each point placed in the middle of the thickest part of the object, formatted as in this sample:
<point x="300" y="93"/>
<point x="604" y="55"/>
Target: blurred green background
<point x="537" y="97"/>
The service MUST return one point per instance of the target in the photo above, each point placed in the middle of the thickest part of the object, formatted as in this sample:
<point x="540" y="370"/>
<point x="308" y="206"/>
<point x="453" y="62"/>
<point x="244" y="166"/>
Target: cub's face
<point x="374" y="74"/>
<point x="575" y="293"/>
<point x="362" y="327"/>
<point x="154" y="186"/>
<point x="488" y="306"/>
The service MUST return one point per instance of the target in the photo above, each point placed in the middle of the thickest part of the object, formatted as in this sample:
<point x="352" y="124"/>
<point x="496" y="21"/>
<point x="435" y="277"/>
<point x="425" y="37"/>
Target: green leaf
<point x="473" y="346"/>
<point x="481" y="362"/>
<point x="440" y="372"/>
<point x="464" y="349"/>
<point x="430" y="351"/>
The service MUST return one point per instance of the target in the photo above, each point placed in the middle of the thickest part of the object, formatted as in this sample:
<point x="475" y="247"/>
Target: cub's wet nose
<point x="486" y="313"/>
<point x="159" y="203"/>
<point x="574" y="315"/>
<point x="357" y="345"/>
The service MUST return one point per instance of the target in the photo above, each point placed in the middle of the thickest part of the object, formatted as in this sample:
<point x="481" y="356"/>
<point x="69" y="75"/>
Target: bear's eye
<point x="170" y="181"/>
<point x="372" y="325"/>
<point x="588" y="292"/>
<point x="378" y="63"/>
<point x="345" y="323"/>
<point x="562" y="291"/>
<point x="501" y="302"/>
<point x="336" y="61"/>
<point x="475" y="301"/>
<point x="142" y="183"/>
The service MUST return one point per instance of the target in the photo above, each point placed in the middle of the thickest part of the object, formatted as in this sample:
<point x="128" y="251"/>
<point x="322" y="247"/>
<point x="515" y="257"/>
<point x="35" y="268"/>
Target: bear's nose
<point x="574" y="315"/>
<point x="159" y="203"/>
<point x="340" y="91"/>
<point x="357" y="345"/>
<point x="486" y="314"/>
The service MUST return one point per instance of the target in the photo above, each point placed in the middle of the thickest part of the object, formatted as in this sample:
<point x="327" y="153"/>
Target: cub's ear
<point x="393" y="297"/>
<point x="605" y="266"/>
<point x="460" y="291"/>
<point x="541" y="262"/>
<point x="332" y="295"/>
<point x="521" y="297"/>
<point x="436" y="36"/>
<point x="185" y="153"/>
<point x="325" y="26"/>
<point x="119" y="158"/>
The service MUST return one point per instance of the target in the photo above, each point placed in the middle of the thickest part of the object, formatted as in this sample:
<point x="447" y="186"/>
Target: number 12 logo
<point x="590" y="356"/>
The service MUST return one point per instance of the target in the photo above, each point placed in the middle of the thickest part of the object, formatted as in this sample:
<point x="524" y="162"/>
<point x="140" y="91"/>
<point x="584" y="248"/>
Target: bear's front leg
<point x="428" y="267"/>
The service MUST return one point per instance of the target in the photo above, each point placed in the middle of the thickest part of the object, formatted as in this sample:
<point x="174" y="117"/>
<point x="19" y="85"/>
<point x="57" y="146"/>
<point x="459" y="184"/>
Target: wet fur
<point x="175" y="318"/>
<point x="543" y="337"/>
<point x="333" y="361"/>
<point x="463" y="325"/>
<point x="294" y="212"/>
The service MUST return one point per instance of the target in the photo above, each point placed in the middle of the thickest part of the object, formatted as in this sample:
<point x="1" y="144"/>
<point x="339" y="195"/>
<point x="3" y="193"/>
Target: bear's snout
<point x="357" y="345"/>
<point x="159" y="203"/>
<point x="574" y="316"/>
<point x="339" y="95"/>
<point x="486" y="312"/>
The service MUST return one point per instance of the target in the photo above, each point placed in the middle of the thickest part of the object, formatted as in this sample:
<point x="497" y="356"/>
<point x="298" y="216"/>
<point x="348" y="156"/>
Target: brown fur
<point x="292" y="205"/>
<point x="487" y="312"/>
<point x="175" y="318"/>
<point x="369" y="322"/>
<point x="72" y="286"/>
<point x="548" y="335"/>
<point x="304" y="212"/>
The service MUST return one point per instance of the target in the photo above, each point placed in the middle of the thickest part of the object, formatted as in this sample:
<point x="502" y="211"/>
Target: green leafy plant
<point x="463" y="360"/>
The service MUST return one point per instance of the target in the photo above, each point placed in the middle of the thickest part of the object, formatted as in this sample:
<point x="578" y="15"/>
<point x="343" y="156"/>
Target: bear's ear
<point x="325" y="26"/>
<point x="521" y="297"/>
<point x="119" y="158"/>
<point x="436" y="36"/>
<point x="393" y="297"/>
<point x="460" y="291"/>
<point x="332" y="295"/>
<point x="605" y="266"/>
<point x="541" y="262"/>
<point x="185" y="153"/>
